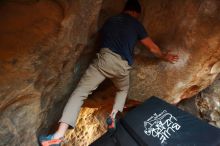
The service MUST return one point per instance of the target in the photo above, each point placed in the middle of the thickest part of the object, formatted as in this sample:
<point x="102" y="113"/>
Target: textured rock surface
<point x="41" y="42"/>
<point x="45" y="45"/>
<point x="205" y="105"/>
<point x="188" y="28"/>
<point x="91" y="122"/>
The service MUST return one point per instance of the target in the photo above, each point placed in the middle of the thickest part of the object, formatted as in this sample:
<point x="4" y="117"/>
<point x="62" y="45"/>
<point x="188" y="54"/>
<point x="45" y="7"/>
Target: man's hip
<point x="111" y="64"/>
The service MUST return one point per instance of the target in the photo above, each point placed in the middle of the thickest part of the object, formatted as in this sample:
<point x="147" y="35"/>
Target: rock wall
<point x="46" y="45"/>
<point x="41" y="43"/>
<point x="181" y="27"/>
<point x="205" y="105"/>
<point x="188" y="28"/>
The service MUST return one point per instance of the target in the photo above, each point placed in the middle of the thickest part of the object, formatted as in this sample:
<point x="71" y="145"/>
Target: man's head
<point x="133" y="7"/>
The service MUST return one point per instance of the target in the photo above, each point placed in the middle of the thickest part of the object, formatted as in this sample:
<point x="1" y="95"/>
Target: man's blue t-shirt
<point x="120" y="34"/>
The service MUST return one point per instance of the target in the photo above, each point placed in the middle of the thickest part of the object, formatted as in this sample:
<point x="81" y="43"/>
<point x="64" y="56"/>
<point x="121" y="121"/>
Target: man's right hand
<point x="172" y="58"/>
<point x="148" y="43"/>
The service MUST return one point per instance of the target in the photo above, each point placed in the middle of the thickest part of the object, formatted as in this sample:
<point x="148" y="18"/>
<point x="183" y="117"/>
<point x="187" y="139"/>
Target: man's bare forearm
<point x="157" y="52"/>
<point x="147" y="42"/>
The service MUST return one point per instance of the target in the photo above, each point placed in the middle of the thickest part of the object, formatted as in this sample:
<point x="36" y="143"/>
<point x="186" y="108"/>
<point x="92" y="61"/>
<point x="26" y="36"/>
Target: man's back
<point x="120" y="34"/>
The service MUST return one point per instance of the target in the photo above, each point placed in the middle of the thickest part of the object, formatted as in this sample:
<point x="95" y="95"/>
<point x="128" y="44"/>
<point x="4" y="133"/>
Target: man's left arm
<point x="148" y="43"/>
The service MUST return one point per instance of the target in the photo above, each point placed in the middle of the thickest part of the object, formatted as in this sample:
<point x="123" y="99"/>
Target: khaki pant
<point x="107" y="65"/>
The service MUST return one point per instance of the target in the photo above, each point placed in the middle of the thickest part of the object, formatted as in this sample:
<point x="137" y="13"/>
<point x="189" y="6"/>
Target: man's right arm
<point x="148" y="43"/>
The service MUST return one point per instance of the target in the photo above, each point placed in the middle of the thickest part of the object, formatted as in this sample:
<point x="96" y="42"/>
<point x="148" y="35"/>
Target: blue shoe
<point x="111" y="122"/>
<point x="47" y="140"/>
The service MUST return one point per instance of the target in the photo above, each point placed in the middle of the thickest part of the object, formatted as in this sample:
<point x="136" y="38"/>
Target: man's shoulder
<point x="122" y="17"/>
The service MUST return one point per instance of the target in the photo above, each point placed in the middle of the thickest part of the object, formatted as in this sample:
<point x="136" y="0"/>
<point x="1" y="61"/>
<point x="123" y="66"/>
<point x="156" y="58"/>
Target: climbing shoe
<point x="111" y="122"/>
<point x="47" y="140"/>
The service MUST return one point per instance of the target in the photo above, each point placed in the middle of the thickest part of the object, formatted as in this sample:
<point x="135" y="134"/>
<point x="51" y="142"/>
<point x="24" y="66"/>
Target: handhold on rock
<point x="215" y="68"/>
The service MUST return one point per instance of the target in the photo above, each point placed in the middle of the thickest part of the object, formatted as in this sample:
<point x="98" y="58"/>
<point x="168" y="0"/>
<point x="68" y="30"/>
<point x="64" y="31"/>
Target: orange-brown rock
<point x="205" y="105"/>
<point x="46" y="45"/>
<point x="189" y="29"/>
<point x="40" y="44"/>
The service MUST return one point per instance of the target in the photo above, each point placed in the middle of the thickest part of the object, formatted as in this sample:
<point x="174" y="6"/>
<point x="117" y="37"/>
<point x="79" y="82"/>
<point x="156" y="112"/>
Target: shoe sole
<point x="53" y="142"/>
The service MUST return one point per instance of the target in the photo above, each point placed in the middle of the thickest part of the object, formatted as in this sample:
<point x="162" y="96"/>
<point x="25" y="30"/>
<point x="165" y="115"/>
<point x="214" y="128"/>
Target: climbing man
<point x="119" y="35"/>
